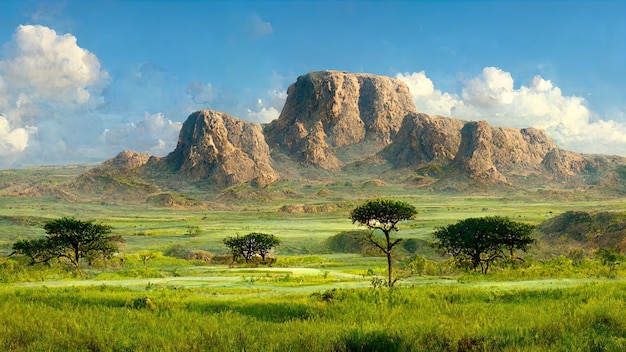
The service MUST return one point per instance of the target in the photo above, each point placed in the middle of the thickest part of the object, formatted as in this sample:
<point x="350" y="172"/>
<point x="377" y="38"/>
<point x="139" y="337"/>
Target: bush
<point x="347" y="242"/>
<point x="177" y="251"/>
<point x="199" y="255"/>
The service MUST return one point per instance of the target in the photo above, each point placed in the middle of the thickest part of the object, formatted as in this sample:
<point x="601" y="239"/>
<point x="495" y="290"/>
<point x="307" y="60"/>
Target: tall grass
<point x="431" y="318"/>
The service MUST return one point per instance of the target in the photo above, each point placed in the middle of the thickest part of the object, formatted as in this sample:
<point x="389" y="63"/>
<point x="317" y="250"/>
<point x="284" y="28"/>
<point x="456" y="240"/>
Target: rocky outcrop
<point x="215" y="146"/>
<point x="475" y="152"/>
<point x="126" y="160"/>
<point x="483" y="152"/>
<point x="117" y="179"/>
<point x="563" y="163"/>
<point x="332" y="117"/>
<point x="424" y="139"/>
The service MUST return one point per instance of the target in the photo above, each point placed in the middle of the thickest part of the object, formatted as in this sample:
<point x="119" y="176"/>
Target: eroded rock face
<point x="213" y="145"/>
<point x="423" y="139"/>
<point x="476" y="152"/>
<point x="327" y="111"/>
<point x="127" y="160"/>
<point x="486" y="153"/>
<point x="563" y="163"/>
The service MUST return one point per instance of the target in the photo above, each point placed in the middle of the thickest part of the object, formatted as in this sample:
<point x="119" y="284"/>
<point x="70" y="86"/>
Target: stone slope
<point x="215" y="146"/>
<point x="327" y="111"/>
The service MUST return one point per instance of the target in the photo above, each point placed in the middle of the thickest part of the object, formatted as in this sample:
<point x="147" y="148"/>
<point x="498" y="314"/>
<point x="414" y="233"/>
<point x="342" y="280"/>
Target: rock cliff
<point x="215" y="146"/>
<point x="484" y="153"/>
<point x="328" y="112"/>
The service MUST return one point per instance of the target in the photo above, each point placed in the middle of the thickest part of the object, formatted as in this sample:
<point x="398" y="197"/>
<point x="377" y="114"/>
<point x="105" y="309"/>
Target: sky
<point x="81" y="81"/>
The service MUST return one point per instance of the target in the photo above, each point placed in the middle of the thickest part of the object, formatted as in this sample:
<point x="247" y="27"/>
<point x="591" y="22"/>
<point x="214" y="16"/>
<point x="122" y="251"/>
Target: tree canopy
<point x="384" y="215"/>
<point x="478" y="242"/>
<point x="252" y="244"/>
<point x="69" y="240"/>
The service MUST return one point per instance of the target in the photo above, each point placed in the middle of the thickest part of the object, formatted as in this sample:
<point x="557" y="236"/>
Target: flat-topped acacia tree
<point x="384" y="215"/>
<point x="70" y="240"/>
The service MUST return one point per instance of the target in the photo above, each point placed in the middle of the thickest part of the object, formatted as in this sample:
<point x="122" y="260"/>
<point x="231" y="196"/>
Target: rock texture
<point x="424" y="139"/>
<point x="215" y="146"/>
<point x="328" y="111"/>
<point x="485" y="153"/>
<point x="126" y="160"/>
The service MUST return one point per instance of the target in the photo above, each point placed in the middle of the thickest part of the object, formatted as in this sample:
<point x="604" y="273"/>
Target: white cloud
<point x="426" y="97"/>
<point x="47" y="84"/>
<point x="155" y="134"/>
<point x="492" y="96"/>
<point x="266" y="112"/>
<point x="203" y="94"/>
<point x="45" y="65"/>
<point x="11" y="140"/>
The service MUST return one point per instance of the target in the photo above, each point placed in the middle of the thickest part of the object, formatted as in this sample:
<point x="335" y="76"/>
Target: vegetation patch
<point x="592" y="229"/>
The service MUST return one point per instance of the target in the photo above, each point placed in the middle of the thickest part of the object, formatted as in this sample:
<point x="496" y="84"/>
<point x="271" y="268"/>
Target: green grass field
<point x="309" y="298"/>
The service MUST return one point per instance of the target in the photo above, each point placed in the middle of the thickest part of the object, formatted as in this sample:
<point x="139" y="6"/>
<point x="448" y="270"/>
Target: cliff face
<point x="483" y="152"/>
<point x="226" y="150"/>
<point x="328" y="111"/>
<point x="423" y="139"/>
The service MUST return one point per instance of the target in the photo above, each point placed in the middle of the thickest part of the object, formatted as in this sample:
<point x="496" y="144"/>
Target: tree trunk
<point x="388" y="253"/>
<point x="390" y="282"/>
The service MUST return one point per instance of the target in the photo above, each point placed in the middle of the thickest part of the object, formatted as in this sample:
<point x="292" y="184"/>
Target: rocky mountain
<point x="486" y="153"/>
<point x="333" y="121"/>
<point x="215" y="146"/>
<point x="333" y="117"/>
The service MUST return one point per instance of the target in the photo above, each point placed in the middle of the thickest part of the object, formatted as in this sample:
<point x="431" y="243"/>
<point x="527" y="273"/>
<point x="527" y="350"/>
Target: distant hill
<point x="590" y="230"/>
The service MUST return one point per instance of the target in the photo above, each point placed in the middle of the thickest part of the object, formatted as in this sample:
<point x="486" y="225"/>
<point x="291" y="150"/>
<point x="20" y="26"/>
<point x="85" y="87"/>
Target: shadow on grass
<point x="270" y="312"/>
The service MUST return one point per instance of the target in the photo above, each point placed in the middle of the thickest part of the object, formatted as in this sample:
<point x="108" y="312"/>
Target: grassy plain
<point x="585" y="317"/>
<point x="310" y="298"/>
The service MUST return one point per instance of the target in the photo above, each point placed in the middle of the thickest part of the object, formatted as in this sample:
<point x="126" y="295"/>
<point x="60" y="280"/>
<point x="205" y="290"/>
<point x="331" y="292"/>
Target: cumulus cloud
<point x="46" y="66"/>
<point x="47" y="83"/>
<point x="426" y="97"/>
<point x="492" y="96"/>
<point x="265" y="112"/>
<point x="154" y="134"/>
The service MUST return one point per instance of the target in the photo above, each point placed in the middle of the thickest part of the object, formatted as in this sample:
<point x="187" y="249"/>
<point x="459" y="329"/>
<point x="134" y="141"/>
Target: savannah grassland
<point x="312" y="298"/>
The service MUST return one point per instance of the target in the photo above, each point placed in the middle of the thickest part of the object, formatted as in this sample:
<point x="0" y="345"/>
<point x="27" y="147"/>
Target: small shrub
<point x="142" y="303"/>
<point x="193" y="231"/>
<point x="199" y="255"/>
<point x="177" y="251"/>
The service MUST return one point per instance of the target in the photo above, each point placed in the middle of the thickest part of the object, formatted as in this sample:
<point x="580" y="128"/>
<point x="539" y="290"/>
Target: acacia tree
<point x="70" y="240"/>
<point x="383" y="215"/>
<point x="263" y="243"/>
<point x="478" y="242"/>
<point x="251" y="244"/>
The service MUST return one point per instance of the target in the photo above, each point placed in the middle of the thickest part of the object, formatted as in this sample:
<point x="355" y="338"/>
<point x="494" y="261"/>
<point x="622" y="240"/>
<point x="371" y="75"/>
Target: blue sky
<point x="82" y="80"/>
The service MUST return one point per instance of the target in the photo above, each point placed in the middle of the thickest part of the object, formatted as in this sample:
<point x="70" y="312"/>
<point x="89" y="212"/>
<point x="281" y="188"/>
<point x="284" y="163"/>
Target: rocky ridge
<point x="334" y="119"/>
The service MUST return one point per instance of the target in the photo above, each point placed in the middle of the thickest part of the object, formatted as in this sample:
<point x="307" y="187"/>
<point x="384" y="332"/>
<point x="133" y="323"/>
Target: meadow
<point x="311" y="297"/>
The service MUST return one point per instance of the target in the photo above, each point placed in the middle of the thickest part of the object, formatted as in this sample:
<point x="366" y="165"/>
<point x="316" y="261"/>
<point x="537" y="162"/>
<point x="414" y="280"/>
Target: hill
<point x="590" y="230"/>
